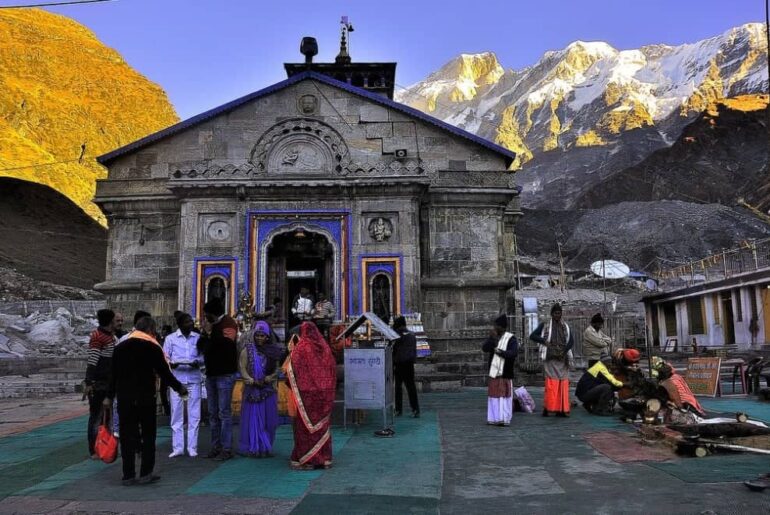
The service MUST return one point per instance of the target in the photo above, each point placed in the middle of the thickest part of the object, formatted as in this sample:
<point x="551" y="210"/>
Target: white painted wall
<point x="715" y="331"/>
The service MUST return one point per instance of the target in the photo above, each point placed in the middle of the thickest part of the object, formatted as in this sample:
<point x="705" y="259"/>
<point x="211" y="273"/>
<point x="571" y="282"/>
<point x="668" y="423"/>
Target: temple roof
<point x="373" y="97"/>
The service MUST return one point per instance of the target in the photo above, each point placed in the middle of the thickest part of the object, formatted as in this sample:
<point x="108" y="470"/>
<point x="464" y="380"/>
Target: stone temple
<point x="322" y="181"/>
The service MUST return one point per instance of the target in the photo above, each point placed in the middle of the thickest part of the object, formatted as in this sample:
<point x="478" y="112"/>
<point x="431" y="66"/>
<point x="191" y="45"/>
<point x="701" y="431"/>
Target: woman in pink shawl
<point x="312" y="373"/>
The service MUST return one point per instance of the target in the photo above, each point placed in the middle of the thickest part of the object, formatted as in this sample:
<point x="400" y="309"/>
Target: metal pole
<point x="561" y="266"/>
<point x="767" y="39"/>
<point x="724" y="262"/>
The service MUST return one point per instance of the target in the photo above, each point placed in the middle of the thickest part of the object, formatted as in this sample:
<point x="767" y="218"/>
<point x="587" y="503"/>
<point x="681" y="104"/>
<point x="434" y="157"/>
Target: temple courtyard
<point x="447" y="461"/>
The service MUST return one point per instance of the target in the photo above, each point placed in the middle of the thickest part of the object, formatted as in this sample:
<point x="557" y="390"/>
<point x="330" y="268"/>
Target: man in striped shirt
<point x="323" y="314"/>
<point x="99" y="371"/>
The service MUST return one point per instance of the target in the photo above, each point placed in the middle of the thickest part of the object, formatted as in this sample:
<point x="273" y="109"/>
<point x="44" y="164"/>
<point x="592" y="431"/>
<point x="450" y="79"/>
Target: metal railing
<point x="625" y="331"/>
<point x="751" y="256"/>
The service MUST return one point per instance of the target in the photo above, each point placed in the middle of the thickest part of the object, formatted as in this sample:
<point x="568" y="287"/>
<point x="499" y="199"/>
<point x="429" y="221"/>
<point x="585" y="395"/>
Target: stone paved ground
<point x="448" y="461"/>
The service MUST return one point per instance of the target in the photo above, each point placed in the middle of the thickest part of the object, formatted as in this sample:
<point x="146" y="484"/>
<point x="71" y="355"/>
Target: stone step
<point x="439" y="382"/>
<point x="465" y="345"/>
<point x="424" y="368"/>
<point x="39" y="391"/>
<point x="468" y="356"/>
<point x="461" y="368"/>
<point x="475" y="380"/>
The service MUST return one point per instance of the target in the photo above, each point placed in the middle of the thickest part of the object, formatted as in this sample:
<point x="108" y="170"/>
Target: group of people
<point x="555" y="339"/>
<point x="124" y="368"/>
<point x="607" y="378"/>
<point x="321" y="312"/>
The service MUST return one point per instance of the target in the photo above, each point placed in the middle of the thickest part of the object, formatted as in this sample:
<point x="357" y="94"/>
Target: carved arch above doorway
<point x="300" y="145"/>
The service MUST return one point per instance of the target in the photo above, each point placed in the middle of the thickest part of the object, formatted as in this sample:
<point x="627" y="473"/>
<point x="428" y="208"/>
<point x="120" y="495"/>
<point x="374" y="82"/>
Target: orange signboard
<point x="703" y="375"/>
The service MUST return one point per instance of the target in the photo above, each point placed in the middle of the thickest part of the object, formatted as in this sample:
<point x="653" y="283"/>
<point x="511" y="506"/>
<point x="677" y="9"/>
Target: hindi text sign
<point x="703" y="375"/>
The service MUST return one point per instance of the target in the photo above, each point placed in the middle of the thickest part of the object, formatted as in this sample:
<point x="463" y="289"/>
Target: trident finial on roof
<point x="344" y="57"/>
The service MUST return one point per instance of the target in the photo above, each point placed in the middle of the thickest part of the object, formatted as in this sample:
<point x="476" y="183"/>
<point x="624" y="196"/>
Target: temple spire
<point x="344" y="57"/>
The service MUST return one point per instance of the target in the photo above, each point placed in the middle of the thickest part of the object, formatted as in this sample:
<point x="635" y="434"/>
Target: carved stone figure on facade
<point x="246" y="309"/>
<point x="303" y="157"/>
<point x="290" y="157"/>
<point x="380" y="229"/>
<point x="307" y="104"/>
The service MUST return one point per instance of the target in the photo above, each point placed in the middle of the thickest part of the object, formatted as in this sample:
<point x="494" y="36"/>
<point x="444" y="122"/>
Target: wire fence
<point x="625" y="330"/>
<point x="751" y="256"/>
<point x="75" y="307"/>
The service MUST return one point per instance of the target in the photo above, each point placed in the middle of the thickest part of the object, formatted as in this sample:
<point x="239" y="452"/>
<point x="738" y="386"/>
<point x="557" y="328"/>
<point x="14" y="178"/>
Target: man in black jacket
<point x="135" y="363"/>
<point x="220" y="353"/>
<point x="404" y="356"/>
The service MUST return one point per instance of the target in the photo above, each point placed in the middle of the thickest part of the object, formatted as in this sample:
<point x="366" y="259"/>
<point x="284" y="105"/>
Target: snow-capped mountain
<point x="589" y="110"/>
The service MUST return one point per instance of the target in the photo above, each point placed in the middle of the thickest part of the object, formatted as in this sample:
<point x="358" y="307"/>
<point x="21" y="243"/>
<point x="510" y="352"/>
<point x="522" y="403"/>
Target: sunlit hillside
<point x="64" y="93"/>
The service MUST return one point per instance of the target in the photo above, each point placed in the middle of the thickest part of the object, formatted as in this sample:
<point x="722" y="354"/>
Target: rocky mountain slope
<point x="680" y="202"/>
<point x="65" y="98"/>
<point x="719" y="158"/>
<point x="46" y="237"/>
<point x="585" y="112"/>
<point x="635" y="232"/>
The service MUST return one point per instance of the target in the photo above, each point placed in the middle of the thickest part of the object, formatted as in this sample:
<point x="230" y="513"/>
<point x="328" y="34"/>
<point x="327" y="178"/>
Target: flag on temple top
<point x="344" y="20"/>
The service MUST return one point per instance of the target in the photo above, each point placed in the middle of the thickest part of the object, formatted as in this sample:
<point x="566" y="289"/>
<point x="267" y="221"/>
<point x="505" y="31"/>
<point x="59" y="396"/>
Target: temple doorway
<point x="295" y="260"/>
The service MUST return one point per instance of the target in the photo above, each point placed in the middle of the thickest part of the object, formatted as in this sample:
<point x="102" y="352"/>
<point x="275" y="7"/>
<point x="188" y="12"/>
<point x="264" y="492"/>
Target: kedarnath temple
<point x="320" y="181"/>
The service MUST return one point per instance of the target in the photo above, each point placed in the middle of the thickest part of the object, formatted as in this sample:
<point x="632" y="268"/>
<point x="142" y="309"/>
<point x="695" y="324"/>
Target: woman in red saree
<point x="312" y="373"/>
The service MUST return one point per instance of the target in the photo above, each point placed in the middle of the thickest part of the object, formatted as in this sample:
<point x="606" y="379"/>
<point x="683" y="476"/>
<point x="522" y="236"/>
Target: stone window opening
<point x="381" y="296"/>
<point x="217" y="288"/>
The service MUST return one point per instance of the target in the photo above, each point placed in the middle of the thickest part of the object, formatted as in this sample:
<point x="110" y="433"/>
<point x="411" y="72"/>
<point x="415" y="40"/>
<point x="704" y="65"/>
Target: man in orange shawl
<point x="312" y="373"/>
<point x="679" y="393"/>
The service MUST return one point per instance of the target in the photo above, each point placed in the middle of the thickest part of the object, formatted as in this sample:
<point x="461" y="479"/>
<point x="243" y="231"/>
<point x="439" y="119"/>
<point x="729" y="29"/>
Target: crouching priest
<point x="503" y="348"/>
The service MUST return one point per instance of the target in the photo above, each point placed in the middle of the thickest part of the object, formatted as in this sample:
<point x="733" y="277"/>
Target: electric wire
<point x="53" y="4"/>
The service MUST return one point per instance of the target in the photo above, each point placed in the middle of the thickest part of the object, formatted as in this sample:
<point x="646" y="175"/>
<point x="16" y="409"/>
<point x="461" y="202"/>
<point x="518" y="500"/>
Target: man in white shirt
<point x="181" y="348"/>
<point x="303" y="305"/>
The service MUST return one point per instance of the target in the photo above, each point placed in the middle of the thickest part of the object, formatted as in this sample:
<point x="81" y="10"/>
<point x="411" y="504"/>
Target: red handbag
<point x="106" y="446"/>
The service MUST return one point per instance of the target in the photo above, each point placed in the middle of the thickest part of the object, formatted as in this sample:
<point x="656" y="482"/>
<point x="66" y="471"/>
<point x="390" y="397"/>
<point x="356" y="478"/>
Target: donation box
<point x="369" y="380"/>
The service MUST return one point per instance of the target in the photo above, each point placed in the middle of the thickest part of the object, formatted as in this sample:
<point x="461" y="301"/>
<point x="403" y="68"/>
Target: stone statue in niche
<point x="217" y="290"/>
<point x="307" y="104"/>
<point x="381" y="297"/>
<point x="380" y="229"/>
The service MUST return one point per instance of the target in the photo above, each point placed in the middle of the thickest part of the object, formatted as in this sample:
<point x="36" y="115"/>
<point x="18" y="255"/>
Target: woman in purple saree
<point x="259" y="405"/>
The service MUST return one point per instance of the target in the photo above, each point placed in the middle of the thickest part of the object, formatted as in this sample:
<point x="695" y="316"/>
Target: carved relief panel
<point x="216" y="229"/>
<point x="300" y="146"/>
<point x="380" y="227"/>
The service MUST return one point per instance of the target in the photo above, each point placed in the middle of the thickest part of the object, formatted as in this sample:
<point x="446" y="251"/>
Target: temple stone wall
<point x="445" y="200"/>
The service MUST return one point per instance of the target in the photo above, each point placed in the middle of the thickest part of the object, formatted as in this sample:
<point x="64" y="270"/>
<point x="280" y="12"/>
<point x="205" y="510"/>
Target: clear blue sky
<point x="207" y="52"/>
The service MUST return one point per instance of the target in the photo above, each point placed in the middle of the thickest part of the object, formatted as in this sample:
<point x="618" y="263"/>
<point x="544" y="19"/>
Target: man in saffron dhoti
<point x="556" y="341"/>
<point x="503" y="348"/>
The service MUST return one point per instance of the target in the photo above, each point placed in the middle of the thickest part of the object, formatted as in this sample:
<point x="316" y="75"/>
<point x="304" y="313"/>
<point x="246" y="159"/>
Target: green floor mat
<point x="39" y="442"/>
<point x="716" y="468"/>
<point x="270" y="478"/>
<point x="411" y="460"/>
<point x="86" y="479"/>
<point x="321" y="504"/>
<point x="757" y="410"/>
